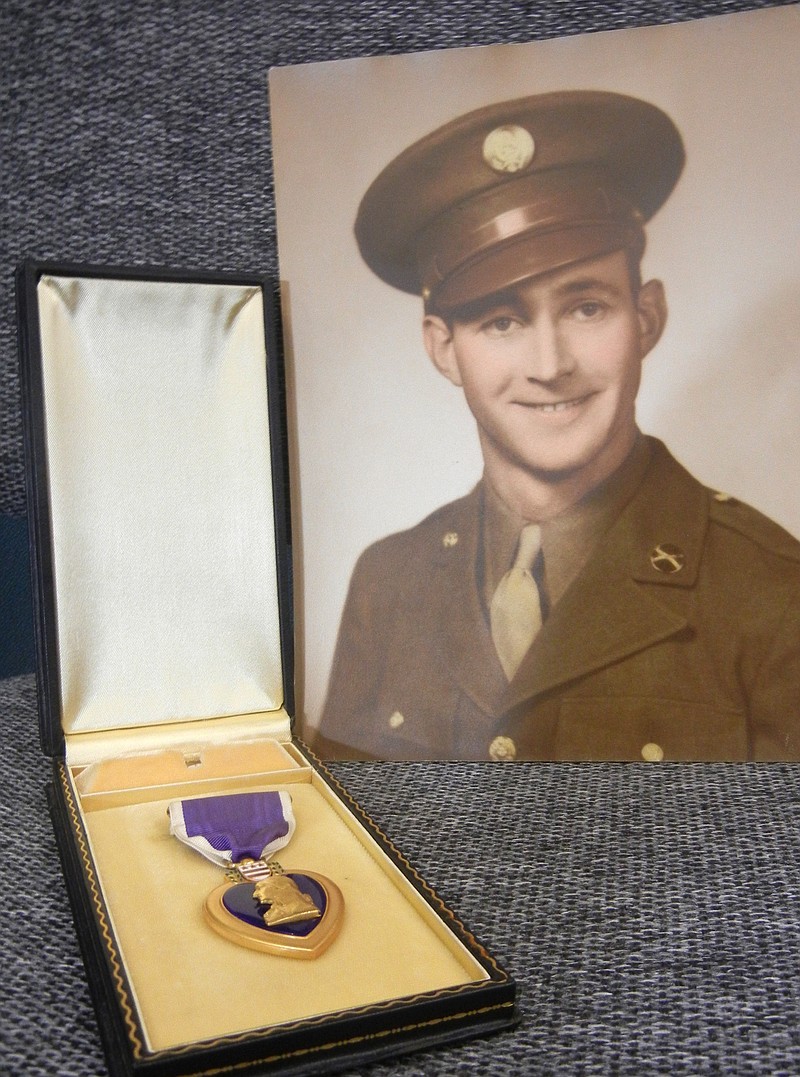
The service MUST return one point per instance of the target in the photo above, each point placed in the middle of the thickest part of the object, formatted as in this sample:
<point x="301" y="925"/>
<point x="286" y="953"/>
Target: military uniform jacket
<point x="680" y="639"/>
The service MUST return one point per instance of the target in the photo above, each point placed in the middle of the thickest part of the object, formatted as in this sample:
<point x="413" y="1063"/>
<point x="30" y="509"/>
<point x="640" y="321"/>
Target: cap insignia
<point x="508" y="148"/>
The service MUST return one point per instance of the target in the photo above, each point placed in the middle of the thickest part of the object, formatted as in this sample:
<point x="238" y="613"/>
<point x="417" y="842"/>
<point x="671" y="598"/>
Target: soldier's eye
<point x="590" y="308"/>
<point x="500" y="325"/>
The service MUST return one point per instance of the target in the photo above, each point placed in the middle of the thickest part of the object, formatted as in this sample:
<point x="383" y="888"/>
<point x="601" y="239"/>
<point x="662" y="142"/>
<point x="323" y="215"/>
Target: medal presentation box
<point x="157" y="504"/>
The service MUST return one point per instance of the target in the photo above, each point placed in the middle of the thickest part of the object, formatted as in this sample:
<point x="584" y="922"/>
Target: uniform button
<point x="396" y="720"/>
<point x="725" y="498"/>
<point x="667" y="558"/>
<point x="502" y="748"/>
<point x="449" y="538"/>
<point x="652" y="753"/>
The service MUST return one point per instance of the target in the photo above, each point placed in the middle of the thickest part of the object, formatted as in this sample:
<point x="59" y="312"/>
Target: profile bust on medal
<point x="284" y="901"/>
<point x="589" y="599"/>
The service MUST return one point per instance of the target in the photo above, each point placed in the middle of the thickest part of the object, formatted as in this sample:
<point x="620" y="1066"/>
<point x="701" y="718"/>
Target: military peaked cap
<point x="516" y="189"/>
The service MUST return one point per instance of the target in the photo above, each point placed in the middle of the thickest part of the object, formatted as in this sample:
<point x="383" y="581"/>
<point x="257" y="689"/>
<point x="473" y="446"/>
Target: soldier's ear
<point x="651" y="305"/>
<point x="438" y="337"/>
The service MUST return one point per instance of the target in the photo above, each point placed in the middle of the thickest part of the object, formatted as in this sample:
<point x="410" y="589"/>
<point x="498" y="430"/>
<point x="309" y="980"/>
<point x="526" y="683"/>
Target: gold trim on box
<point x="99" y="905"/>
<point x="253" y="1035"/>
<point x="268" y="1059"/>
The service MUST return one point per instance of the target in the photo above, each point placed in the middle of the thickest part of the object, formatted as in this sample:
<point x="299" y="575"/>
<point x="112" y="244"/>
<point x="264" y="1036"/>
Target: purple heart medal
<point x="263" y="907"/>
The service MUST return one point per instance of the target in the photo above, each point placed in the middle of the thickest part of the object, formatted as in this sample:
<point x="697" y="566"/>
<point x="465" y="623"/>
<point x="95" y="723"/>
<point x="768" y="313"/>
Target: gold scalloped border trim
<point x="128" y="1011"/>
<point x="253" y="1035"/>
<point x="320" y="1019"/>
<point x="352" y="1040"/>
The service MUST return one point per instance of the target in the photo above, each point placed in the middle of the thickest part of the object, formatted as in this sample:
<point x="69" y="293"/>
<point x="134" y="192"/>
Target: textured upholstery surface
<point x="650" y="914"/>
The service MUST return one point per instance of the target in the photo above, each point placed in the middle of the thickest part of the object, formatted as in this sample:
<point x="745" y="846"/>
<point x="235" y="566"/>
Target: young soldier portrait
<point x="589" y="598"/>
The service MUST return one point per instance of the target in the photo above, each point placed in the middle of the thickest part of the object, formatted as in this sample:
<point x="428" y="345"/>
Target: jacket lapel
<point x="610" y="612"/>
<point x="460" y="630"/>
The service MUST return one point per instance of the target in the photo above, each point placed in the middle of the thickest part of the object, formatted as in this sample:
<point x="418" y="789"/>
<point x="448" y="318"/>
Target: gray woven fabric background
<point x="650" y="914"/>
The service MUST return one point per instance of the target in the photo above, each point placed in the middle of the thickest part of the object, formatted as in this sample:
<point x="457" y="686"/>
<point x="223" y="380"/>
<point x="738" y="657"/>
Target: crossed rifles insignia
<point x="667" y="558"/>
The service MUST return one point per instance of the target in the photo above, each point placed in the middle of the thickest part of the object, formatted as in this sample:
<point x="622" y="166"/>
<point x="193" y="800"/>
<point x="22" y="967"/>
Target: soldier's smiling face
<point x="551" y="367"/>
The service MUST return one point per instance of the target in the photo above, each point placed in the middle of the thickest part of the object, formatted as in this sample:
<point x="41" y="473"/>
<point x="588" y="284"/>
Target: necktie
<point x="516" y="609"/>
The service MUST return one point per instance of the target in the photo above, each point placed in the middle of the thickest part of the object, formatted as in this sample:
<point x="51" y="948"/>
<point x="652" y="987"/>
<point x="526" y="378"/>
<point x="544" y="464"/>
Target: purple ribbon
<point x="242" y="824"/>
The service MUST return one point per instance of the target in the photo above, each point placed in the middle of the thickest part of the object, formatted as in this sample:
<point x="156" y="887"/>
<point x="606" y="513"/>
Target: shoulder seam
<point x="756" y="527"/>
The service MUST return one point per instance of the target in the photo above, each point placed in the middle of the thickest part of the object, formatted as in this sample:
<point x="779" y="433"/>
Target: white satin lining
<point x="161" y="496"/>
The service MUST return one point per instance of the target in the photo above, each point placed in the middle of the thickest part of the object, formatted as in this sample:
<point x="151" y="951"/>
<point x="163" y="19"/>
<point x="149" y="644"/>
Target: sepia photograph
<point x="540" y="323"/>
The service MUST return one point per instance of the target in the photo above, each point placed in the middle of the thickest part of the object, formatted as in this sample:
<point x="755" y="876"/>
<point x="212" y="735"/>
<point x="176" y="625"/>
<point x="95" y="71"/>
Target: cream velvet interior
<point x="191" y="984"/>
<point x="163" y="530"/>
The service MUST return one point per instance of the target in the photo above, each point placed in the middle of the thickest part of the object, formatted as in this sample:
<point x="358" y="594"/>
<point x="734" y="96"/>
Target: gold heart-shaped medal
<point x="291" y="913"/>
